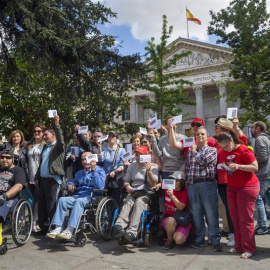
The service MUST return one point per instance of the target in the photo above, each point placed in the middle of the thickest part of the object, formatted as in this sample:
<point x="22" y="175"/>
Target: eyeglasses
<point x="144" y="142"/>
<point x="37" y="131"/>
<point x="196" y="124"/>
<point x="6" y="157"/>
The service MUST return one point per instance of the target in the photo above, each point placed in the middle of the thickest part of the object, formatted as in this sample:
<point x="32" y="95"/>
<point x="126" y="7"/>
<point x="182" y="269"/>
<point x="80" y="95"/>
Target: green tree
<point x="53" y="56"/>
<point x="244" y="26"/>
<point x="167" y="87"/>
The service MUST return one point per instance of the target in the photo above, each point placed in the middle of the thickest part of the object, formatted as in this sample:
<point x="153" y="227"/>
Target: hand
<point x="129" y="189"/>
<point x="170" y="192"/>
<point x="235" y="122"/>
<point x="157" y="187"/>
<point x="93" y="164"/>
<point x="150" y="132"/>
<point x="147" y="123"/>
<point x="112" y="174"/>
<point x="234" y="166"/>
<point x="71" y="188"/>
<point x="72" y="157"/>
<point x="147" y="166"/>
<point x="56" y="120"/>
<point x="3" y="198"/>
<point x="77" y="127"/>
<point x="126" y="163"/>
<point x="36" y="183"/>
<point x="193" y="147"/>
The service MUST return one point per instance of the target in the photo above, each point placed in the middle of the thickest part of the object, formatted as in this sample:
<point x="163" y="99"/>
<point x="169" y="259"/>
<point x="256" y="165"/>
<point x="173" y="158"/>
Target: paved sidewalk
<point x="43" y="253"/>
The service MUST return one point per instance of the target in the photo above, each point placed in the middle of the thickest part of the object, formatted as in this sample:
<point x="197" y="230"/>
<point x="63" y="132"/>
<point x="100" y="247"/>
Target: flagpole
<point x="187" y="24"/>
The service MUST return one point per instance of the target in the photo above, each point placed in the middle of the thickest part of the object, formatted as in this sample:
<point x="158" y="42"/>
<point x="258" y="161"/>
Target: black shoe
<point x="217" y="248"/>
<point x="223" y="234"/>
<point x="129" y="237"/>
<point x="41" y="232"/>
<point x="118" y="231"/>
<point x="168" y="244"/>
<point x="196" y="245"/>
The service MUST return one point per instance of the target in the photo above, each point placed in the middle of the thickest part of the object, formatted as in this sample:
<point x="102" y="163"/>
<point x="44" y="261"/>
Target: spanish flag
<point x="190" y="17"/>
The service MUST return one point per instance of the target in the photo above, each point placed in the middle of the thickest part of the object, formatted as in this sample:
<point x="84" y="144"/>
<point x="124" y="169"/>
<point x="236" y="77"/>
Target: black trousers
<point x="222" y="190"/>
<point x="49" y="191"/>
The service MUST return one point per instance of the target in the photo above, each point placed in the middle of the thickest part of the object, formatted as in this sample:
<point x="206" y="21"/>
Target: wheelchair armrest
<point x="100" y="190"/>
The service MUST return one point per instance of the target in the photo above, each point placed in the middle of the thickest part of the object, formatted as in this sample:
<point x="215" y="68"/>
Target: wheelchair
<point x="96" y="218"/>
<point x="149" y="221"/>
<point x="21" y="220"/>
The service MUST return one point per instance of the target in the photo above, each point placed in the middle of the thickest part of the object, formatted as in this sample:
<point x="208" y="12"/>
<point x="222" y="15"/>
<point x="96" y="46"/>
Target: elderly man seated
<point x="91" y="177"/>
<point x="139" y="175"/>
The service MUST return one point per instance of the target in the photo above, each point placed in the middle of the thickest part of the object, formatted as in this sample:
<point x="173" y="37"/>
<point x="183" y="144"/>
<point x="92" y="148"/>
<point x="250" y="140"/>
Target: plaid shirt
<point x="201" y="163"/>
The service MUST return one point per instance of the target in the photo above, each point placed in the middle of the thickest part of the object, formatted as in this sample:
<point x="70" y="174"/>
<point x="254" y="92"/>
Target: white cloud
<point x="144" y="17"/>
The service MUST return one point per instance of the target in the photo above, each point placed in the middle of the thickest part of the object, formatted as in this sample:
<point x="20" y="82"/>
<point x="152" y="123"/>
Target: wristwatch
<point x="242" y="167"/>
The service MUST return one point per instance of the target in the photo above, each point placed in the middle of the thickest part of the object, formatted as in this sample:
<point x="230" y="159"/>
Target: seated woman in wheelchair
<point x="139" y="175"/>
<point x="174" y="200"/>
<point x="91" y="177"/>
<point x="12" y="181"/>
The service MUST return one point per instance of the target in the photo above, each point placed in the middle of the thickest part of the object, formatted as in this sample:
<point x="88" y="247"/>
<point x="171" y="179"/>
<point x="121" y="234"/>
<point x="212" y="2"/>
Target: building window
<point x="125" y="115"/>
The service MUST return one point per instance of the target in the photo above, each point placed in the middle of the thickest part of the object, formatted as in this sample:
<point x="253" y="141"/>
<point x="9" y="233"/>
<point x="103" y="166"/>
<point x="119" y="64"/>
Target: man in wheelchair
<point x="12" y="181"/>
<point x="138" y="177"/>
<point x="91" y="177"/>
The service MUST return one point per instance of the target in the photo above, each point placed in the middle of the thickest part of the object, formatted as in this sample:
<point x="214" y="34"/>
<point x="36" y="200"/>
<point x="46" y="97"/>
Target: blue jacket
<point x="87" y="181"/>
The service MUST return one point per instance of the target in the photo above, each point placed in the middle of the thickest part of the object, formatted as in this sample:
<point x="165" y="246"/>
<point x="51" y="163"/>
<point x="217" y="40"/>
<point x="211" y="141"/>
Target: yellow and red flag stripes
<point x="190" y="17"/>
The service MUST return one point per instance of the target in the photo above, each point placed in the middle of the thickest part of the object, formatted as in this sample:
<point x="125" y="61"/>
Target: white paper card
<point x="127" y="156"/>
<point x="145" y="158"/>
<point x="129" y="147"/>
<point x="103" y="138"/>
<point x="177" y="119"/>
<point x="91" y="157"/>
<point x="222" y="166"/>
<point x="83" y="129"/>
<point x="138" y="188"/>
<point x="153" y="117"/>
<point x="143" y="131"/>
<point x="189" y="141"/>
<point x="168" y="184"/>
<point x="152" y="123"/>
<point x="158" y="124"/>
<point x="231" y="113"/>
<point x="52" y="113"/>
<point x="75" y="151"/>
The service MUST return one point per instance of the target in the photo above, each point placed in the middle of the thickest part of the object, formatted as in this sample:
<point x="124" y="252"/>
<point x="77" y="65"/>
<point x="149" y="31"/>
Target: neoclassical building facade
<point x="208" y="71"/>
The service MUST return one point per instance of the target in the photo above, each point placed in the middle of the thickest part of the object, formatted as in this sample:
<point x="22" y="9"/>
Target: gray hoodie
<point x="262" y="154"/>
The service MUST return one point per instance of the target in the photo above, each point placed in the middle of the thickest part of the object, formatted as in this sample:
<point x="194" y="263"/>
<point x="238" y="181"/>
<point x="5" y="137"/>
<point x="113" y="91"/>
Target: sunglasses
<point x="37" y="131"/>
<point x="196" y="124"/>
<point x="6" y="157"/>
<point x="144" y="142"/>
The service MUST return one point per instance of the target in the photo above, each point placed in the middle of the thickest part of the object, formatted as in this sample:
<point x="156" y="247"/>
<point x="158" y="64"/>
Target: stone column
<point x="133" y="111"/>
<point x="223" y="96"/>
<point x="199" y="100"/>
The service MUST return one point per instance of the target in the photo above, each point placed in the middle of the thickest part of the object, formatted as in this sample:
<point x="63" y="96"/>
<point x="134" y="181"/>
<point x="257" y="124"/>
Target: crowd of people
<point x="211" y="175"/>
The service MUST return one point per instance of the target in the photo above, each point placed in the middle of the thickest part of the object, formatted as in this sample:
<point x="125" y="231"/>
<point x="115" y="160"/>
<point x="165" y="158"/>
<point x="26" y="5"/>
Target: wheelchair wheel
<point x="21" y="224"/>
<point x="147" y="239"/>
<point x="104" y="217"/>
<point x="80" y="239"/>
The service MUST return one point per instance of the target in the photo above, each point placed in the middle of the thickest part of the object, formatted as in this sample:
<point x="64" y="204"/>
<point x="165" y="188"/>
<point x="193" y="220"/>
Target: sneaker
<point x="52" y="234"/>
<point x="168" y="244"/>
<point x="65" y="235"/>
<point x="217" y="248"/>
<point x="118" y="231"/>
<point x="231" y="242"/>
<point x="261" y="230"/>
<point x="196" y="245"/>
<point x="129" y="237"/>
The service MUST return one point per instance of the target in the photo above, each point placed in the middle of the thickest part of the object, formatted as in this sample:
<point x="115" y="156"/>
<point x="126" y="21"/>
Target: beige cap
<point x="225" y="123"/>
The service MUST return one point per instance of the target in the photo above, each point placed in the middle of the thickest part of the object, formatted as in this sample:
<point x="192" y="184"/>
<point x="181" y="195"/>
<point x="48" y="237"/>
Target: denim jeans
<point x="76" y="203"/>
<point x="203" y="200"/>
<point x="263" y="198"/>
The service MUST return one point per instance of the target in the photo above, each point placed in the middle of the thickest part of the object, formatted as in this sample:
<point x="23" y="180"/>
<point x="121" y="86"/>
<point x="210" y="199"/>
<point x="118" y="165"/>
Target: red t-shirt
<point x="222" y="174"/>
<point x="244" y="156"/>
<point x="170" y="207"/>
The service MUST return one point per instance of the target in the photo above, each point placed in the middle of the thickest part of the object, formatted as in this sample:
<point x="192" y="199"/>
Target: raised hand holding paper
<point x="231" y="113"/>
<point x="103" y="138"/>
<point x="153" y="117"/>
<point x="83" y="129"/>
<point x="127" y="156"/>
<point x="145" y="158"/>
<point x="152" y="123"/>
<point x="187" y="142"/>
<point x="143" y="131"/>
<point x="52" y="113"/>
<point x="75" y="151"/>
<point x="177" y="119"/>
<point x="168" y="184"/>
<point x="92" y="157"/>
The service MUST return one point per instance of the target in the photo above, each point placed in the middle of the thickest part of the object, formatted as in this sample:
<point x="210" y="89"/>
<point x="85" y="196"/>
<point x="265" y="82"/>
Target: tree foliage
<point x="53" y="56"/>
<point x="166" y="87"/>
<point x="244" y="26"/>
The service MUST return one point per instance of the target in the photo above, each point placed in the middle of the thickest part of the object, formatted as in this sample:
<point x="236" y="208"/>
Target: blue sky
<point x="139" y="20"/>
